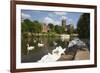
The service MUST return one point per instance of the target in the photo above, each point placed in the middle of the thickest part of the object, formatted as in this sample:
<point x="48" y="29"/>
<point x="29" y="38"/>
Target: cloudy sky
<point x="54" y="17"/>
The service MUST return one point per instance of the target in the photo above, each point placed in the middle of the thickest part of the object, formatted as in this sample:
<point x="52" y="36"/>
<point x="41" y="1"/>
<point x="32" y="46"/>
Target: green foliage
<point x="71" y="30"/>
<point x="59" y="29"/>
<point x="83" y="26"/>
<point x="52" y="27"/>
<point x="29" y="26"/>
<point x="26" y="26"/>
<point x="37" y="27"/>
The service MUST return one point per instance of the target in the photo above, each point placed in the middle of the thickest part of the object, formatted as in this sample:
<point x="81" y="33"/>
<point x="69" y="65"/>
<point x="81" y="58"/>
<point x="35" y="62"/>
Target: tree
<point x="59" y="29"/>
<point x="83" y="26"/>
<point x="51" y="26"/>
<point x="29" y="26"/>
<point x="37" y="27"/>
<point x="71" y="30"/>
<point x="26" y="25"/>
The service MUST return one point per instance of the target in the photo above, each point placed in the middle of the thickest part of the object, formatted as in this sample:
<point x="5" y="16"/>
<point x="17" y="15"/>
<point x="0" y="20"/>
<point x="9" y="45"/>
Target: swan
<point x="40" y="45"/>
<point x="54" y="43"/>
<point x="34" y="40"/>
<point x="29" y="48"/>
<point x="56" y="54"/>
<point x="59" y="49"/>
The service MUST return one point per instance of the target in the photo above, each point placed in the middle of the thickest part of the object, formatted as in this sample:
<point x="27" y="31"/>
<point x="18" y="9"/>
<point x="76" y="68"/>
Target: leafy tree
<point x="59" y="29"/>
<point x="83" y="26"/>
<point x="27" y="25"/>
<point x="62" y="29"/>
<point x="24" y="27"/>
<point x="37" y="27"/>
<point x="51" y="26"/>
<point x="71" y="30"/>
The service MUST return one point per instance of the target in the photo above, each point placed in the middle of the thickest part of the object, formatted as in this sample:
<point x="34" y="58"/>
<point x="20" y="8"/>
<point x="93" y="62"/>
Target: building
<point x="45" y="28"/>
<point x="64" y="24"/>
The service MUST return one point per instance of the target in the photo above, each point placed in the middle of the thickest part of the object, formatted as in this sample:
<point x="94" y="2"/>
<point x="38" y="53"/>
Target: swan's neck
<point x="56" y="56"/>
<point x="27" y="45"/>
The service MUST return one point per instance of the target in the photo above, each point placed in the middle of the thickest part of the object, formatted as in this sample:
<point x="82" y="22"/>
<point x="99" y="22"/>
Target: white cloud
<point x="63" y="17"/>
<point x="58" y="22"/>
<point x="25" y="16"/>
<point x="48" y="20"/>
<point x="60" y="13"/>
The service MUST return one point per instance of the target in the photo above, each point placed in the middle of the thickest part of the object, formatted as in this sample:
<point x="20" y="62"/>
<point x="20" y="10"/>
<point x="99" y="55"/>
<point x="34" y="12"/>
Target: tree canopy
<point x="29" y="26"/>
<point x="83" y="26"/>
<point x="52" y="27"/>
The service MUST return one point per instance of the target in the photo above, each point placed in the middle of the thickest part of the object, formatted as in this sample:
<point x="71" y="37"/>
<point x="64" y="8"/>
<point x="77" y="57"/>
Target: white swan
<point x="54" y="43"/>
<point x="59" y="49"/>
<point x="34" y="40"/>
<point x="29" y="48"/>
<point x="40" y="45"/>
<point x="56" y="54"/>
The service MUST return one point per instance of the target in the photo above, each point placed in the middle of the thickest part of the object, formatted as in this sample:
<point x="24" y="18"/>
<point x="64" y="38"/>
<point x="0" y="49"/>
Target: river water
<point x="50" y="43"/>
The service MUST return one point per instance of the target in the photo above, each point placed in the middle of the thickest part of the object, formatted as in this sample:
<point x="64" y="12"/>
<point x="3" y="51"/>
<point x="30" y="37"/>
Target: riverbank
<point x="80" y="55"/>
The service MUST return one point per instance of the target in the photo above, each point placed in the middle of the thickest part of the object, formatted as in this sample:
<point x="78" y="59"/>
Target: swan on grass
<point x="56" y="54"/>
<point x="29" y="48"/>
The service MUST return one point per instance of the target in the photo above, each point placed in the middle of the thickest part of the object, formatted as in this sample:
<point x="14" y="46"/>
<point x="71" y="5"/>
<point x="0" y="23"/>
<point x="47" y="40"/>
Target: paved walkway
<point x="80" y="55"/>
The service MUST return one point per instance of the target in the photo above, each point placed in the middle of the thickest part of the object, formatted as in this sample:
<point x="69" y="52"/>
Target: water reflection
<point x="42" y="46"/>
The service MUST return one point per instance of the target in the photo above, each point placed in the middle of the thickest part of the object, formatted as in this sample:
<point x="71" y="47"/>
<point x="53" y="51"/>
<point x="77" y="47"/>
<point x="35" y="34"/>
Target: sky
<point x="54" y="17"/>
